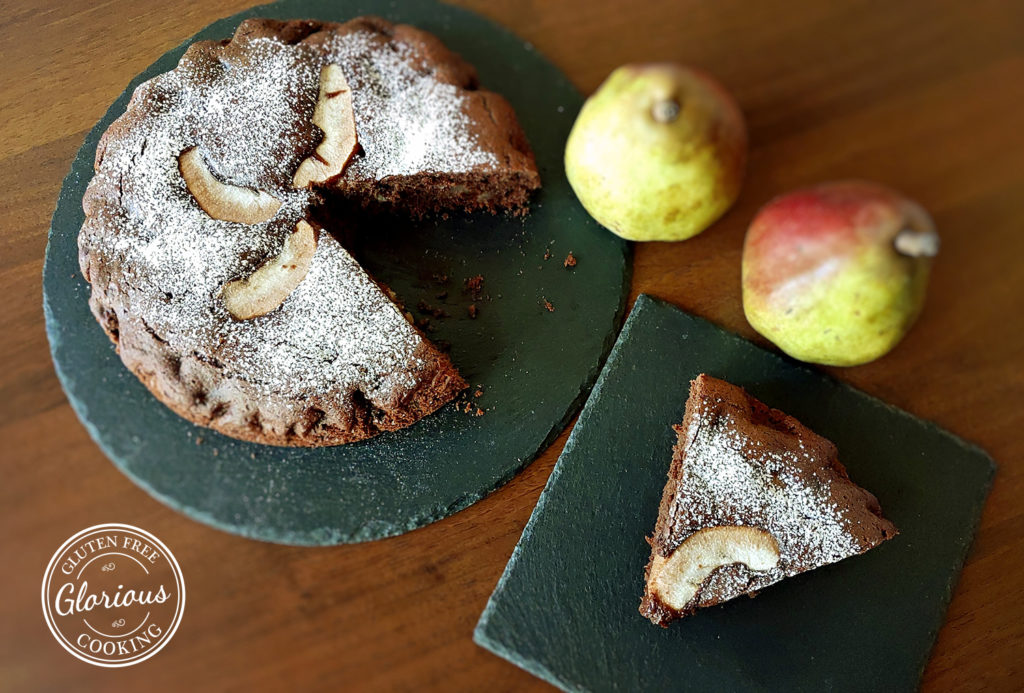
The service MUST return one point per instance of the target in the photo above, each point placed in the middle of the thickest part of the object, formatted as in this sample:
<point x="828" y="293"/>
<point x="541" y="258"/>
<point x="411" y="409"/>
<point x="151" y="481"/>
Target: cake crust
<point x="338" y="361"/>
<point x="739" y="463"/>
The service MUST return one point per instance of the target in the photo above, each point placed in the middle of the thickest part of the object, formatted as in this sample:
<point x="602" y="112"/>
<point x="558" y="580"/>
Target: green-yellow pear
<point x="657" y="152"/>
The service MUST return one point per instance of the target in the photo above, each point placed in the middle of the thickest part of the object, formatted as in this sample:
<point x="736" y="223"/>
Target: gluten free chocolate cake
<point x="211" y="237"/>
<point x="753" y="497"/>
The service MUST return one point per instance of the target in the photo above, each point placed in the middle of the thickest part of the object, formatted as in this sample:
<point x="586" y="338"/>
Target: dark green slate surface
<point x="535" y="366"/>
<point x="566" y="607"/>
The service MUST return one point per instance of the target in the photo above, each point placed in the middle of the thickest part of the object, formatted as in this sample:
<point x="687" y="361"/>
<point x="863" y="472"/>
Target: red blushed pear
<point x="836" y="274"/>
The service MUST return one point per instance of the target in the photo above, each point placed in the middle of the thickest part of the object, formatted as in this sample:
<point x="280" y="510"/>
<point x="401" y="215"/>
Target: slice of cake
<point x="753" y="496"/>
<point x="210" y="263"/>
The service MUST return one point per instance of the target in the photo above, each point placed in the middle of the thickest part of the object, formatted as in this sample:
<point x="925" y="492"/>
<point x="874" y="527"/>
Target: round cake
<point x="211" y="235"/>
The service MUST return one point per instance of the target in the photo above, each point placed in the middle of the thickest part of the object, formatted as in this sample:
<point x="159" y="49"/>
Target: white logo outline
<point x="47" y="607"/>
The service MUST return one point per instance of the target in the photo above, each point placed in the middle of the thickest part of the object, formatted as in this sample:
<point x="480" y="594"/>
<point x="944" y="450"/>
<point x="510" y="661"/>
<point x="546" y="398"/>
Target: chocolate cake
<point x="211" y="237"/>
<point x="753" y="497"/>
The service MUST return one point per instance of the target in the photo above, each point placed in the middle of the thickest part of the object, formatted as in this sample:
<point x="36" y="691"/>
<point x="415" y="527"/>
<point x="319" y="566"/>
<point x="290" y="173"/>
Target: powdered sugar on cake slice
<point x="742" y="472"/>
<point x="727" y="479"/>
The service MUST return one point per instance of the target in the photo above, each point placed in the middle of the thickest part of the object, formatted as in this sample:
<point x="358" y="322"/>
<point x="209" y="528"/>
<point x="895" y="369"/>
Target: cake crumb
<point x="547" y="254"/>
<point x="469" y="407"/>
<point x="472" y="311"/>
<point x="478" y="392"/>
<point x="475" y="283"/>
<point x="548" y="305"/>
<point x="570" y="260"/>
<point x="199" y="440"/>
<point x="433" y="311"/>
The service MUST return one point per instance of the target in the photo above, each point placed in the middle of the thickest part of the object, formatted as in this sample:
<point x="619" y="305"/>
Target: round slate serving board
<point x="533" y="365"/>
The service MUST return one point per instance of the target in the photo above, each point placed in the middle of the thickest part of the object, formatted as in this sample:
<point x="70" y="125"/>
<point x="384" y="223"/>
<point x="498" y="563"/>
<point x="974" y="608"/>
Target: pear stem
<point x="914" y="243"/>
<point x="665" y="111"/>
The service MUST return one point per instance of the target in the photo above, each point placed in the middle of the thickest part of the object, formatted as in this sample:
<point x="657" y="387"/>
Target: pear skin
<point x="836" y="274"/>
<point x="657" y="153"/>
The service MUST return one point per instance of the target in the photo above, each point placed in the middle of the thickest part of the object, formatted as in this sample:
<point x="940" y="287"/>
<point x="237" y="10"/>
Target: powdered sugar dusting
<point x="412" y="121"/>
<point x="248" y="109"/>
<point x="728" y="479"/>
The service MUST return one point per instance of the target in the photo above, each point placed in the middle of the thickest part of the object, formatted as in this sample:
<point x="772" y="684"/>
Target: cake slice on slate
<point x="753" y="496"/>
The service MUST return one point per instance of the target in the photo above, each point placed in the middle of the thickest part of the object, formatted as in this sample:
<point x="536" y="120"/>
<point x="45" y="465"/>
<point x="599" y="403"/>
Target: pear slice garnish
<point x="334" y="115"/>
<point x="678" y="578"/>
<point x="221" y="200"/>
<point x="273" y="281"/>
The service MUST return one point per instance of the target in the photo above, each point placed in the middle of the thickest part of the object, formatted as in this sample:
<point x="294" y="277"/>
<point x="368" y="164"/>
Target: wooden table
<point x="925" y="96"/>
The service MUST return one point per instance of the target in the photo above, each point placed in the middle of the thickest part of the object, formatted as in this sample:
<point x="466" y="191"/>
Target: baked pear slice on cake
<point x="753" y="497"/>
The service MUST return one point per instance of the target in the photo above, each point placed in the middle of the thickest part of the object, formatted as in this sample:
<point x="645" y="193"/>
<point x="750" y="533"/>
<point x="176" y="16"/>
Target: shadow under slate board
<point x="566" y="607"/>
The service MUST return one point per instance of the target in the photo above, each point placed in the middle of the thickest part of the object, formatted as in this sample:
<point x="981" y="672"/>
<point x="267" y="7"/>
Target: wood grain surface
<point x="926" y="96"/>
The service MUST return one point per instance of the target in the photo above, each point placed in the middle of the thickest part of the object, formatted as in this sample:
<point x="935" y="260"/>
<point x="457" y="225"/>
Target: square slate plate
<point x="566" y="607"/>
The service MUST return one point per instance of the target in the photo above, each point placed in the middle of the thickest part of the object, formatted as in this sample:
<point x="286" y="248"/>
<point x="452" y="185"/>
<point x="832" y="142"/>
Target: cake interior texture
<point x="753" y="496"/>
